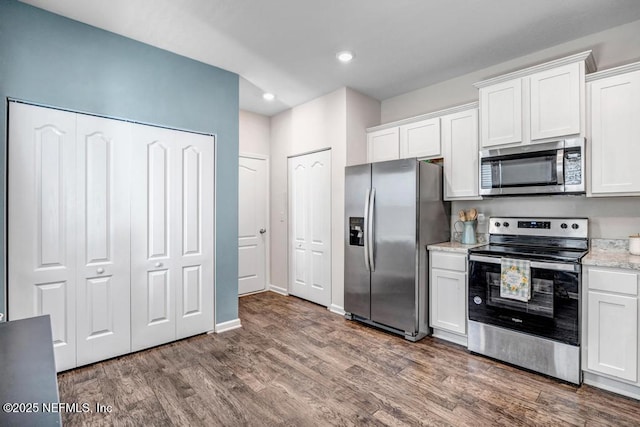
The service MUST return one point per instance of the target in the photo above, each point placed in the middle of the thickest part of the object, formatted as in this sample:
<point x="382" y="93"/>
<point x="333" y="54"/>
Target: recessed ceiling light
<point x="268" y="96"/>
<point x="345" y="56"/>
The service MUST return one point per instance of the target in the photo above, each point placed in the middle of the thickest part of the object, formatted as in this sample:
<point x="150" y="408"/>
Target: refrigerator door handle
<point x="366" y="230"/>
<point x="372" y="203"/>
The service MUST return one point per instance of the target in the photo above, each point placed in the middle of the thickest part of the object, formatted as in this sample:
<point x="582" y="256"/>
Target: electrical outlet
<point x="481" y="218"/>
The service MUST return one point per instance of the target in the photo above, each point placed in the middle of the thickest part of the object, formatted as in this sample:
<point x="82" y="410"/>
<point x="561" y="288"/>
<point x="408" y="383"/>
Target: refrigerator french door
<point x="393" y="210"/>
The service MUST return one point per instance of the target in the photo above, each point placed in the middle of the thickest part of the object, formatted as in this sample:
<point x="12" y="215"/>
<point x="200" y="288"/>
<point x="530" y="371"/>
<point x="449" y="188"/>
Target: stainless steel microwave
<point x="549" y="168"/>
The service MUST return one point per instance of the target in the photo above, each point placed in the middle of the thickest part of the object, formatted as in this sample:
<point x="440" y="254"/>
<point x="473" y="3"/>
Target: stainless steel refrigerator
<point x="393" y="211"/>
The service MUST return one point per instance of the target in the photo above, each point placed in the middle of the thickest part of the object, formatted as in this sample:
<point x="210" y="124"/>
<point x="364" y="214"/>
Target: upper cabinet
<point x="383" y="145"/>
<point x="420" y="139"/>
<point x="614" y="129"/>
<point x="501" y="106"/>
<point x="451" y="135"/>
<point x="460" y="151"/>
<point x="535" y="104"/>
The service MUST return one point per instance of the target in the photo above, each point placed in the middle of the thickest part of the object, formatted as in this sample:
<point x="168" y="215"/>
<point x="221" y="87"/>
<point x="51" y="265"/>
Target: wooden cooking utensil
<point x="462" y="215"/>
<point x="472" y="215"/>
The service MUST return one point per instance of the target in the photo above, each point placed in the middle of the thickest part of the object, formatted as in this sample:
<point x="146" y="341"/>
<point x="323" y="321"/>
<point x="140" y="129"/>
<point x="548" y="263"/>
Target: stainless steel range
<point x="524" y="294"/>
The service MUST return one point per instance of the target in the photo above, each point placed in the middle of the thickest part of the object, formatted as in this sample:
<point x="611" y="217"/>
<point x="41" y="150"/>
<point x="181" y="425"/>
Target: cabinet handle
<point x="158" y="264"/>
<point x="262" y="231"/>
<point x="100" y="270"/>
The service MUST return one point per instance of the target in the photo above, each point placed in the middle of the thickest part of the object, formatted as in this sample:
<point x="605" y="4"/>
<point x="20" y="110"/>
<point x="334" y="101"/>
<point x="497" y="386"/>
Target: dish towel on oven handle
<point x="515" y="279"/>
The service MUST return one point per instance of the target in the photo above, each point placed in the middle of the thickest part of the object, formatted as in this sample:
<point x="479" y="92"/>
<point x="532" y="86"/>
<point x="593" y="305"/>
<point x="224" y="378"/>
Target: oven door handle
<point x="533" y="264"/>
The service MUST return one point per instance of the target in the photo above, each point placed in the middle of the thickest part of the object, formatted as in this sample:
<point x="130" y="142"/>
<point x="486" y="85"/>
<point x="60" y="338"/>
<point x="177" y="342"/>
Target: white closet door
<point x="194" y="252"/>
<point x="103" y="273"/>
<point x="310" y="227"/>
<point x="41" y="224"/>
<point x="252" y="224"/>
<point x="171" y="235"/>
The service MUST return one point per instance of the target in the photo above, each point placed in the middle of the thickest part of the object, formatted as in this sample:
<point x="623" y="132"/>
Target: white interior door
<point x="172" y="246"/>
<point x="41" y="227"/>
<point x="102" y="238"/>
<point x="310" y="227"/>
<point x="252" y="225"/>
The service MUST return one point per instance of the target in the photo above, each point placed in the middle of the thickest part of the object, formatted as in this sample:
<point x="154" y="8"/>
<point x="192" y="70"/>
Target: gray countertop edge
<point x="453" y="247"/>
<point x="612" y="259"/>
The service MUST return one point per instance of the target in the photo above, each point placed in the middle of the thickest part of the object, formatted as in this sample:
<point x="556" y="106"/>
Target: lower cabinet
<point x="610" y="344"/>
<point x="448" y="296"/>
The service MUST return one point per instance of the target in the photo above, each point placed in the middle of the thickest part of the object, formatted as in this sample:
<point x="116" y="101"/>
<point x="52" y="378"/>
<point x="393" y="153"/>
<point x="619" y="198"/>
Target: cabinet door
<point x="171" y="235"/>
<point x="421" y="139"/>
<point x="460" y="150"/>
<point x="615" y="128"/>
<point x="555" y="102"/>
<point x="612" y="335"/>
<point x="383" y="145"/>
<point x="501" y="113"/>
<point x="102" y="236"/>
<point x="41" y="223"/>
<point x="448" y="300"/>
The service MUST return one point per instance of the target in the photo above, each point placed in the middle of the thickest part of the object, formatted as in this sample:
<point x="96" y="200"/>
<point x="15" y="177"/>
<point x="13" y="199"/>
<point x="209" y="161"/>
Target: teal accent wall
<point x="51" y="60"/>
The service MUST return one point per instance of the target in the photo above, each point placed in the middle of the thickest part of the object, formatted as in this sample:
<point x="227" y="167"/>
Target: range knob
<point x="506" y="224"/>
<point x="575" y="226"/>
<point x="497" y="224"/>
<point x="563" y="225"/>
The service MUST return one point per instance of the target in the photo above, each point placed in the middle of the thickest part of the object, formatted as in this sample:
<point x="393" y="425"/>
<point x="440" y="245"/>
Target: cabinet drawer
<point x="448" y="261"/>
<point x="613" y="281"/>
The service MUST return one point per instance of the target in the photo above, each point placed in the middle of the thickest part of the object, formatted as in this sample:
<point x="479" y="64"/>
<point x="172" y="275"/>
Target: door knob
<point x="158" y="264"/>
<point x="100" y="270"/>
<point x="262" y="231"/>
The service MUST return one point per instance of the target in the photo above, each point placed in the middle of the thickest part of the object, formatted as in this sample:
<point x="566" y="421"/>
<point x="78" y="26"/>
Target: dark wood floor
<point x="294" y="363"/>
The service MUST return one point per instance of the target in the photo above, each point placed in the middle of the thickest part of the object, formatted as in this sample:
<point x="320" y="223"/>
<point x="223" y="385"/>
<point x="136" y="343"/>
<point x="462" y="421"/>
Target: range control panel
<point x="552" y="227"/>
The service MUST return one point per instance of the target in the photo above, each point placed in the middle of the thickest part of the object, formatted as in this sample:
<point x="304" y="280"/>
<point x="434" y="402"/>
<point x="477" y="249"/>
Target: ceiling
<point x="288" y="47"/>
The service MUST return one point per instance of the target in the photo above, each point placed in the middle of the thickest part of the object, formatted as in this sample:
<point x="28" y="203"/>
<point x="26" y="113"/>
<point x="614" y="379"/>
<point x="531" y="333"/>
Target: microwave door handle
<point x="560" y="166"/>
<point x="366" y="230"/>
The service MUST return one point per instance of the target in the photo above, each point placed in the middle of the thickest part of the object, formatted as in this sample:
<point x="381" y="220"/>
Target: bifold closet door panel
<point x="171" y="235"/>
<point x="41" y="224"/>
<point x="195" y="245"/>
<point x="102" y="237"/>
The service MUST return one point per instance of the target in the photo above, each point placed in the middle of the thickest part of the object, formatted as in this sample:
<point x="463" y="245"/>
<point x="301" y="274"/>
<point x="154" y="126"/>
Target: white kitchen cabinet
<point x="420" y="139"/>
<point x="501" y="107"/>
<point x="611" y="343"/>
<point x="555" y="102"/>
<point x="460" y="152"/>
<point x="536" y="104"/>
<point x="448" y="296"/>
<point x="383" y="145"/>
<point x="614" y="101"/>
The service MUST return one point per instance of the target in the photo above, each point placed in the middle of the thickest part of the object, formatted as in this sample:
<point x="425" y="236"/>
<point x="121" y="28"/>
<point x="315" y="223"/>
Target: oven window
<point x="540" y="304"/>
<point x="518" y="171"/>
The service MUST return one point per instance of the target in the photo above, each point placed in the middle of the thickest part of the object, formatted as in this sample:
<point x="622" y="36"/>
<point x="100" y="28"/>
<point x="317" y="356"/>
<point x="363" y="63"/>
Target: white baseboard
<point x="278" y="289"/>
<point x="608" y="384"/>
<point x="336" y="309"/>
<point x="228" y="326"/>
<point x="451" y="337"/>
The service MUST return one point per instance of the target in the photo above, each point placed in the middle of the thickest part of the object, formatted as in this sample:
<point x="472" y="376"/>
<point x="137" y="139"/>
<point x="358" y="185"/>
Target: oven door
<point x="552" y="312"/>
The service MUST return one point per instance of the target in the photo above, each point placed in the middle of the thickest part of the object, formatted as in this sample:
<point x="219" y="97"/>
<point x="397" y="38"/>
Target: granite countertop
<point x="453" y="247"/>
<point x="611" y="253"/>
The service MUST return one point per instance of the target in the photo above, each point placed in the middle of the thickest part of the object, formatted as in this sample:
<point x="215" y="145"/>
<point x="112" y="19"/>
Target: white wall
<point x="254" y="133"/>
<point x="362" y="112"/>
<point x="320" y="123"/>
<point x="609" y="217"/>
<point x="616" y="46"/>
